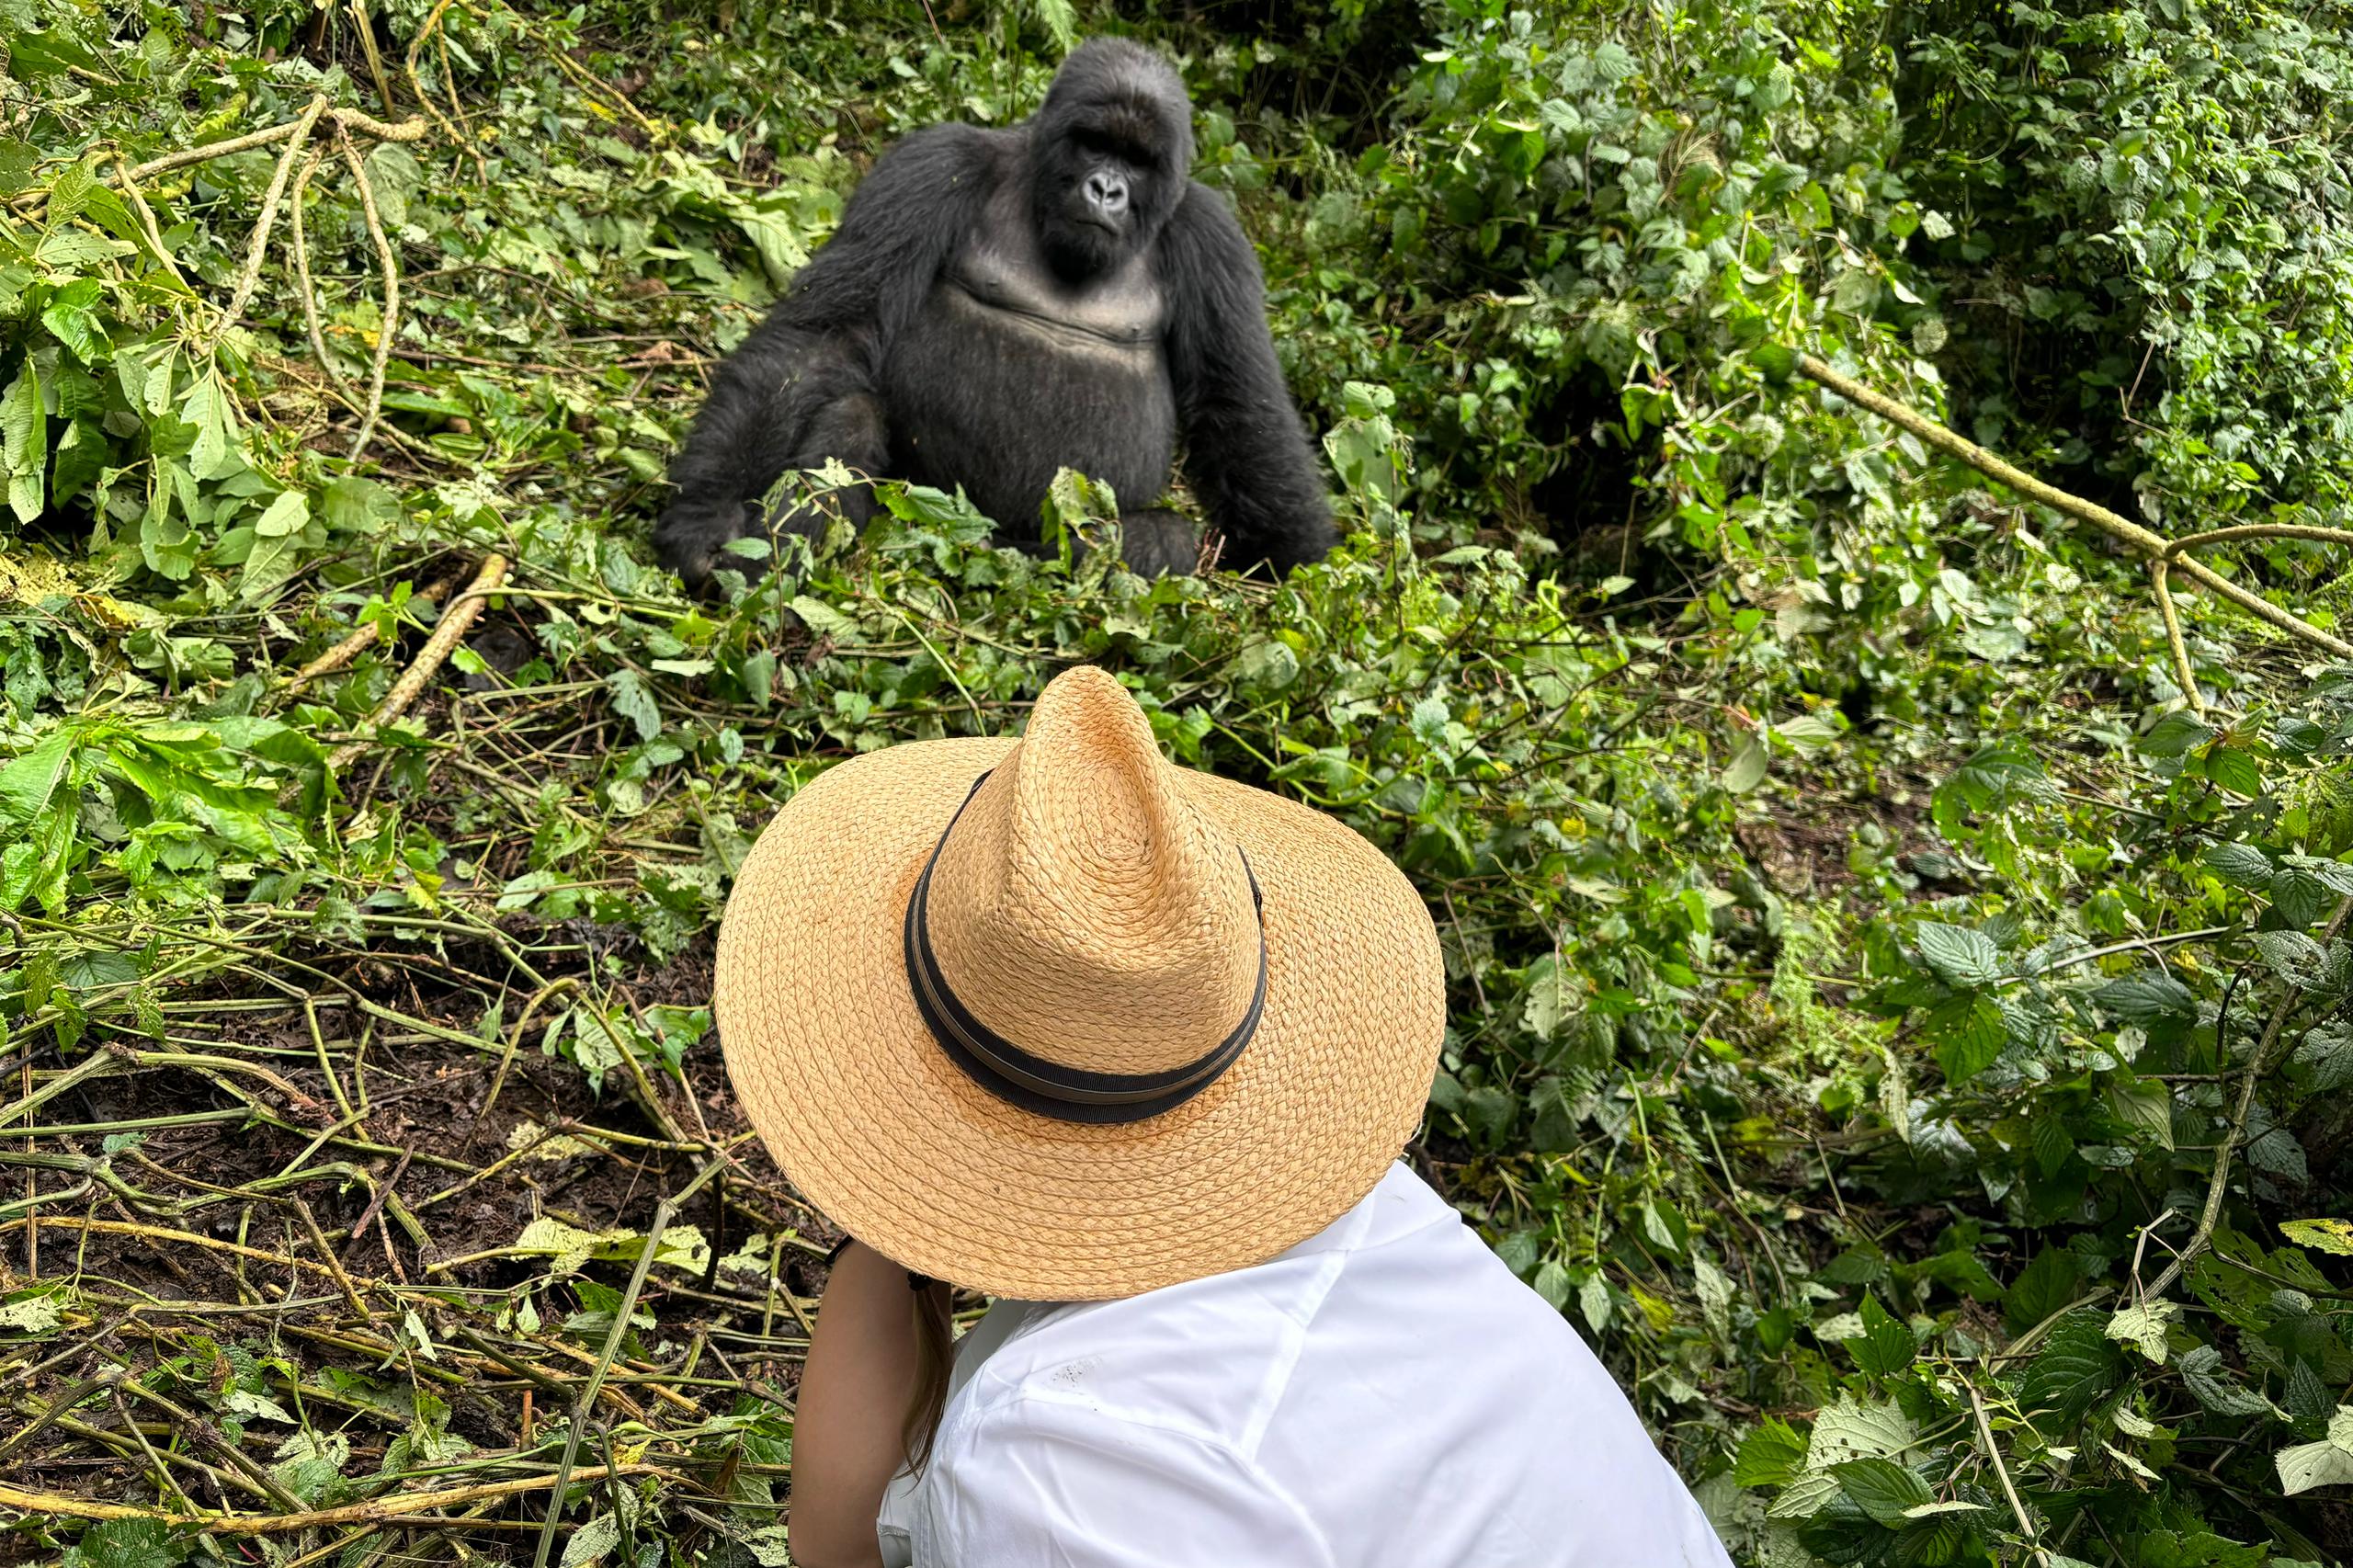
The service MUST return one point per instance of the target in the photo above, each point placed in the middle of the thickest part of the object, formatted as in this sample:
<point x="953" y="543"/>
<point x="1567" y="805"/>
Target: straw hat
<point x="1058" y="1020"/>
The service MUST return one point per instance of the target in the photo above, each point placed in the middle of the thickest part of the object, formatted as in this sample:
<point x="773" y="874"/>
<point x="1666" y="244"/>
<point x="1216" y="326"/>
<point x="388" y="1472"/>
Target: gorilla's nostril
<point x="1108" y="192"/>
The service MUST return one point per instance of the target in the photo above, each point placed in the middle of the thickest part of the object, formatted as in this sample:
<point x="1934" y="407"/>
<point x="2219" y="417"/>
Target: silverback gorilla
<point x="999" y="304"/>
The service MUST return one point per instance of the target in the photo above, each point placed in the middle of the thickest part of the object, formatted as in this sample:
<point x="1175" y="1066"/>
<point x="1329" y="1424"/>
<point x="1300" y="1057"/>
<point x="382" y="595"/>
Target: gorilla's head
<point x="1109" y="151"/>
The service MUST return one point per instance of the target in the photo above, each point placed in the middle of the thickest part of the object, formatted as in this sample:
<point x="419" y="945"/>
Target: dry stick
<point x="250" y="274"/>
<point x="351" y="647"/>
<point x="393" y="1506"/>
<point x="613" y="1337"/>
<point x="2154" y="546"/>
<point x="1985" y="1429"/>
<point x="154" y="236"/>
<point x="416" y="85"/>
<point x="310" y="295"/>
<point x="406" y="131"/>
<point x="2259" y="1062"/>
<point x="588" y="84"/>
<point x="446" y="634"/>
<point x="391" y="324"/>
<point x="368" y="46"/>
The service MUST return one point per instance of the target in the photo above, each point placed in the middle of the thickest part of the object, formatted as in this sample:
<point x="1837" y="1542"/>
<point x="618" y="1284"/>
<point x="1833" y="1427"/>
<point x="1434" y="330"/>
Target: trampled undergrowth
<point x="1894" y="1023"/>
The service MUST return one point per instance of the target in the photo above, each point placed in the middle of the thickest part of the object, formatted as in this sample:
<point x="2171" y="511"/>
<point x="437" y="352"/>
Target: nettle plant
<point x="2139" y="1064"/>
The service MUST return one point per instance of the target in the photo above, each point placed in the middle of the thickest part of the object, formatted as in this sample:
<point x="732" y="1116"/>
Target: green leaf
<point x="1061" y="21"/>
<point x="24" y="442"/>
<point x="2146" y="1107"/>
<point x="2325" y="1235"/>
<point x="634" y="700"/>
<point x="1969" y="1033"/>
<point x="1960" y="957"/>
<point x="2142" y="1326"/>
<point x="2041" y="1288"/>
<point x="1881" y="1488"/>
<point x="2076" y="1367"/>
<point x="127" y="1543"/>
<point x="72" y="313"/>
<point x="829" y="622"/>
<point x="1771" y="1455"/>
<point x="1593" y="1301"/>
<point x="1778" y="362"/>
<point x="2209" y="1382"/>
<point x="1748" y="766"/>
<point x="2146" y="998"/>
<point x="1849" y="1430"/>
<point x="2176" y="735"/>
<point x="2235" y="769"/>
<point x="1885" y="1346"/>
<point x="27" y="782"/>
<point x="2241" y="864"/>
<point x="591" y="1541"/>
<point x="1269" y="666"/>
<point x="2328" y="1462"/>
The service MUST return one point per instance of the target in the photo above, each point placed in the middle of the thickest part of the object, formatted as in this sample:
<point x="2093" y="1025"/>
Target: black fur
<point x="998" y="304"/>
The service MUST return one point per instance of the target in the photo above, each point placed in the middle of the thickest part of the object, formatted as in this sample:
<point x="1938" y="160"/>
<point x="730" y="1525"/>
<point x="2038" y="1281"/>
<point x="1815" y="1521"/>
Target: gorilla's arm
<point x="1246" y="453"/>
<point x="802" y="387"/>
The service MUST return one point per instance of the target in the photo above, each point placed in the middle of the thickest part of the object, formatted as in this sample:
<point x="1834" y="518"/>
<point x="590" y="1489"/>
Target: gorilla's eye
<point x="1104" y="145"/>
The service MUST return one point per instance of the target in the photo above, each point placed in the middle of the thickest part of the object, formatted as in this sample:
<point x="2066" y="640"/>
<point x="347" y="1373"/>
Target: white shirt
<point x="1383" y="1395"/>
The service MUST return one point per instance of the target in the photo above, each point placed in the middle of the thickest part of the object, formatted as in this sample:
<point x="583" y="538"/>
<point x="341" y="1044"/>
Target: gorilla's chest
<point x="1004" y="294"/>
<point x="1009" y="374"/>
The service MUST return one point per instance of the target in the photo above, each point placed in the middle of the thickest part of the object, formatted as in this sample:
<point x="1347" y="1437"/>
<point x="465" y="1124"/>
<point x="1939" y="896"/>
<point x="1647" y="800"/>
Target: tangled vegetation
<point x="1899" y="990"/>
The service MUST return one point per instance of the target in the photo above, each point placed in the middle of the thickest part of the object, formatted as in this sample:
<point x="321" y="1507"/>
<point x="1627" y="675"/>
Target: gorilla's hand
<point x="694" y="537"/>
<point x="1158" y="543"/>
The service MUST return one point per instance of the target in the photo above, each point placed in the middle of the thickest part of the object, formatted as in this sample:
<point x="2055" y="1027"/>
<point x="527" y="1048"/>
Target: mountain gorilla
<point x="998" y="304"/>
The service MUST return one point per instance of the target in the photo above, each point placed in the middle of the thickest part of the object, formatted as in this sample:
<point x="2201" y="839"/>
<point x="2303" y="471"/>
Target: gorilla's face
<point x="1109" y="154"/>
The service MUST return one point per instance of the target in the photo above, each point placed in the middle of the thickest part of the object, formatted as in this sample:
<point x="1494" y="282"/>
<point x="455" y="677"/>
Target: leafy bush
<point x="1869" y="973"/>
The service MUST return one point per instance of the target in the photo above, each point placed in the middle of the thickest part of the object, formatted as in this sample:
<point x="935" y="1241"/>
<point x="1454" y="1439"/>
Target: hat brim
<point x="885" y="1134"/>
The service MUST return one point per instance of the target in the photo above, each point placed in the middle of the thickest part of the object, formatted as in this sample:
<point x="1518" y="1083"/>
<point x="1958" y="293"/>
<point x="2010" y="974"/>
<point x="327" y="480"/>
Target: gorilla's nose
<point x="1107" y="193"/>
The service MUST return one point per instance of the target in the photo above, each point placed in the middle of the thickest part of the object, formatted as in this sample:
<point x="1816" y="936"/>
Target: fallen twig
<point x="385" y="258"/>
<point x="446" y="632"/>
<point x="2165" y="556"/>
<point x="350" y="118"/>
<point x="259" y="248"/>
<point x="2259" y="1062"/>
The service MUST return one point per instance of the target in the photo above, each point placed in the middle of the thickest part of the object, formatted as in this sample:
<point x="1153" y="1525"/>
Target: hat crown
<point x="1085" y="910"/>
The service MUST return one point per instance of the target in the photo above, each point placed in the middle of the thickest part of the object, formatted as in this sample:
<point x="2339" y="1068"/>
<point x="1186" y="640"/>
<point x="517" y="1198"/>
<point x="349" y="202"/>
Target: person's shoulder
<point x="1209" y="1357"/>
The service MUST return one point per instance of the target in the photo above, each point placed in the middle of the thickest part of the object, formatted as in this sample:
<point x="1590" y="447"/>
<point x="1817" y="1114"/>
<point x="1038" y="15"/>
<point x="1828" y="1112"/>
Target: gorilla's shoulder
<point x="952" y="145"/>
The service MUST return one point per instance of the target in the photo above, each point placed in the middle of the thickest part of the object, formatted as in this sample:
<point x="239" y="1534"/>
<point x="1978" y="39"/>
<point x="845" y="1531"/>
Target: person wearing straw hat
<point x="1134" y="1050"/>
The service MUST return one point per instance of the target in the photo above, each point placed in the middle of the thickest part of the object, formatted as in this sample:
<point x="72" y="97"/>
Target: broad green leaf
<point x="24" y="442"/>
<point x="1960" y="957"/>
<point x="1885" y="1346"/>
<point x="2324" y="1235"/>
<point x="829" y="622"/>
<point x="2176" y="735"/>
<point x="2241" y="864"/>
<point x="2076" y="1367"/>
<point x="634" y="700"/>
<point x="2043" y="1287"/>
<point x="1969" y="1033"/>
<point x="2202" y="1373"/>
<point x="2145" y="1106"/>
<point x="27" y="782"/>
<point x="592" y="1541"/>
<point x="127" y="1543"/>
<point x="2328" y="1462"/>
<point x="1772" y="1454"/>
<point x="1888" y="1492"/>
<point x="1849" y="1430"/>
<point x="2294" y="956"/>
<point x="1748" y="766"/>
<point x="2142" y="1326"/>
